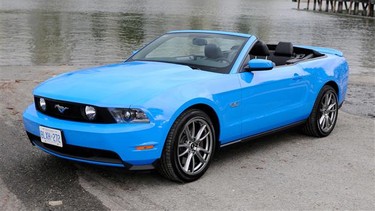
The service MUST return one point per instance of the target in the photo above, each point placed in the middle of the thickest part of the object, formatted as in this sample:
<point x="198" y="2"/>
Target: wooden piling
<point x="364" y="6"/>
<point x="334" y="6"/>
<point x="355" y="7"/>
<point x="346" y="6"/>
<point x="350" y="6"/>
<point x="340" y="6"/>
<point x="320" y="2"/>
<point x="371" y="9"/>
<point x="314" y="7"/>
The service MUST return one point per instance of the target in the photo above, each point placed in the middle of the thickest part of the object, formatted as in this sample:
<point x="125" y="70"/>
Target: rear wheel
<point x="189" y="147"/>
<point x="323" y="118"/>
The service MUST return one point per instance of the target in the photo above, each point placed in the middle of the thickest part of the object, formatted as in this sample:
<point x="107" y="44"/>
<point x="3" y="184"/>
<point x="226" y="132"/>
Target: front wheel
<point x="189" y="147"/>
<point x="323" y="118"/>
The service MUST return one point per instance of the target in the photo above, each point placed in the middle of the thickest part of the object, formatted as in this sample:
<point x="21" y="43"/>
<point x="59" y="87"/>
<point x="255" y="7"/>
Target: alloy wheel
<point x="195" y="145"/>
<point x="328" y="112"/>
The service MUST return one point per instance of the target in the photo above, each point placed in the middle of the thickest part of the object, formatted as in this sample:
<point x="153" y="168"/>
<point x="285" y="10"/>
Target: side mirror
<point x="260" y="64"/>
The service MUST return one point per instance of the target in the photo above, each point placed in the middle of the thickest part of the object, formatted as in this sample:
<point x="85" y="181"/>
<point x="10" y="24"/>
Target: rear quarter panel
<point x="323" y="70"/>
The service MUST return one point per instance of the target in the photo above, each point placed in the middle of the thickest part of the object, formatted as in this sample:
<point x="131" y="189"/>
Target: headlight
<point x="42" y="104"/>
<point x="90" y="112"/>
<point x="122" y="115"/>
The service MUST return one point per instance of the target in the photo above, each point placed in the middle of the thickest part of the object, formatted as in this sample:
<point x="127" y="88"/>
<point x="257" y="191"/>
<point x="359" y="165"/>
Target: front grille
<point x="73" y="111"/>
<point x="83" y="153"/>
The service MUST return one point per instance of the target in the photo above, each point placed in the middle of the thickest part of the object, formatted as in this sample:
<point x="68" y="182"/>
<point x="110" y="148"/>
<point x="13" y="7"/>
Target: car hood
<point x="120" y="85"/>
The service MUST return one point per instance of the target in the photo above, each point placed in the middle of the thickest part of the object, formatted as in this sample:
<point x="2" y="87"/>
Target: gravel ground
<point x="360" y="99"/>
<point x="281" y="171"/>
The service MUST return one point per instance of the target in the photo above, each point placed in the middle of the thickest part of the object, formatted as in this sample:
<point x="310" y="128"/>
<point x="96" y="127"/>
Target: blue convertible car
<point x="174" y="102"/>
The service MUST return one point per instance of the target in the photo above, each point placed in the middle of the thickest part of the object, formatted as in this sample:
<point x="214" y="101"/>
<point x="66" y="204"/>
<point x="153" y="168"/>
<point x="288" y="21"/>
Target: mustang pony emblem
<point x="61" y="108"/>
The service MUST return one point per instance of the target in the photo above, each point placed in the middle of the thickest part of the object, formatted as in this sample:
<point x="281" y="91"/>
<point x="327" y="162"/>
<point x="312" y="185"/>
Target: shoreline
<point x="360" y="97"/>
<point x="344" y="14"/>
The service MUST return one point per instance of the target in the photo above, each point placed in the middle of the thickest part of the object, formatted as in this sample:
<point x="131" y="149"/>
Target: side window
<point x="244" y="64"/>
<point x="246" y="61"/>
<point x="258" y="50"/>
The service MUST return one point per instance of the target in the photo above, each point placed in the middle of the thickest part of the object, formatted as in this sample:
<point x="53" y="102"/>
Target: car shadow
<point x="258" y="145"/>
<point x="41" y="177"/>
<point x="51" y="168"/>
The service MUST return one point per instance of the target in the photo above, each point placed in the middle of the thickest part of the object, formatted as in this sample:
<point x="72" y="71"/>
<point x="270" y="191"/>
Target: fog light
<point x="90" y="112"/>
<point x="42" y="104"/>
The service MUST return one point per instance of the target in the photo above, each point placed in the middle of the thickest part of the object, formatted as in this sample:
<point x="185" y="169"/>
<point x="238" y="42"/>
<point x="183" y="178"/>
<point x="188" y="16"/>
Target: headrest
<point x="212" y="51"/>
<point x="284" y="49"/>
<point x="260" y="49"/>
<point x="199" y="41"/>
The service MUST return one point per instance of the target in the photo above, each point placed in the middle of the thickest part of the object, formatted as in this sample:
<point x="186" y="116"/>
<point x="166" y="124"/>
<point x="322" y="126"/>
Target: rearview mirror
<point x="260" y="64"/>
<point x="199" y="41"/>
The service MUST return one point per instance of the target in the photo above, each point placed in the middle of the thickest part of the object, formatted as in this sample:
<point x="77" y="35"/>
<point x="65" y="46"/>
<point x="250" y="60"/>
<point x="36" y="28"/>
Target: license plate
<point x="50" y="136"/>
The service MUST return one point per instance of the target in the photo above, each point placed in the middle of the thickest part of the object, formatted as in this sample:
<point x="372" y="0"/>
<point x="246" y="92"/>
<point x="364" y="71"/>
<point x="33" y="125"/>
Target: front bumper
<point x="103" y="144"/>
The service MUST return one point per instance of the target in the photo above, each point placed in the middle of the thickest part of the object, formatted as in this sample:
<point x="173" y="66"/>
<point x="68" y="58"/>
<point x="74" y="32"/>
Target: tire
<point x="323" y="117"/>
<point x="189" y="147"/>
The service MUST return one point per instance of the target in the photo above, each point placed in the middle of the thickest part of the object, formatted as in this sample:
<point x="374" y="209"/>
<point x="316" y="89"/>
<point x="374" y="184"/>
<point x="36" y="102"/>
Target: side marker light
<point x="147" y="147"/>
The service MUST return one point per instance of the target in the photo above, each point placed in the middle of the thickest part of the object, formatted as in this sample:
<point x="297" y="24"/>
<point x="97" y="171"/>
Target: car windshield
<point x="211" y="52"/>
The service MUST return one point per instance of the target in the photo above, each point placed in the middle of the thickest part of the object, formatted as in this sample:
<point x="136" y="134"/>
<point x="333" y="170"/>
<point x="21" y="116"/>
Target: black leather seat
<point x="259" y="49"/>
<point x="212" y="51"/>
<point x="283" y="52"/>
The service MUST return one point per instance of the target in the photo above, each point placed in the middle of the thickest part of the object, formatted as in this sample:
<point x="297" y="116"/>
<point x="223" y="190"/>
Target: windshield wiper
<point x="193" y="67"/>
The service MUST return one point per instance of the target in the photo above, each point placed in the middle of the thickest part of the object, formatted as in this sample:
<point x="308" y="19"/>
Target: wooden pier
<point x="352" y="7"/>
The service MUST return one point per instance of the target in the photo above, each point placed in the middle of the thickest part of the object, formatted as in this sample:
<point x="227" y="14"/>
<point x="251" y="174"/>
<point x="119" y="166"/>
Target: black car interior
<point x="283" y="53"/>
<point x="212" y="51"/>
<point x="259" y="51"/>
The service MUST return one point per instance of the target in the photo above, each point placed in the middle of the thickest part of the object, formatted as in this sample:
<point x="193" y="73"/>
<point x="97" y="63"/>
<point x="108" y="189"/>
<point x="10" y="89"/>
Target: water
<point x="93" y="32"/>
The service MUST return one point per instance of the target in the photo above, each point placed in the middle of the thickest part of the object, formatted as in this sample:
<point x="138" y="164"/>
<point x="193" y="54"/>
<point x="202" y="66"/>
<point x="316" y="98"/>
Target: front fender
<point x="222" y="94"/>
<point x="167" y="108"/>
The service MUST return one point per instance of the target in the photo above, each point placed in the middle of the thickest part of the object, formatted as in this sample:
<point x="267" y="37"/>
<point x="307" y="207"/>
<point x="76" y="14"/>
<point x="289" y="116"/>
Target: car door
<point x="273" y="98"/>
